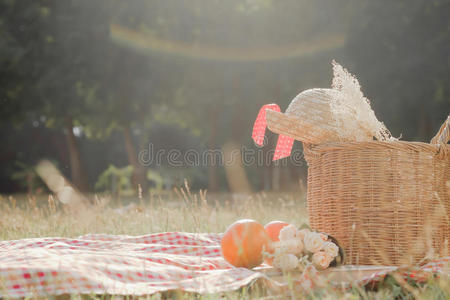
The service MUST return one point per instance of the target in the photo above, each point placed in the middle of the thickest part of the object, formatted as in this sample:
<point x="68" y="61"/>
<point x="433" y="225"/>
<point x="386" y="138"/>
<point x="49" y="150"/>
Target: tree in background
<point x="400" y="50"/>
<point x="130" y="87"/>
<point x="206" y="67"/>
<point x="57" y="43"/>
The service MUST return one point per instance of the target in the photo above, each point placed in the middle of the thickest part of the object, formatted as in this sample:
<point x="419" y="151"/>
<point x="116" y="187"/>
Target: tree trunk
<point x="234" y="169"/>
<point x="276" y="174"/>
<point x="139" y="176"/>
<point x="213" y="180"/>
<point x="426" y="126"/>
<point x="77" y="172"/>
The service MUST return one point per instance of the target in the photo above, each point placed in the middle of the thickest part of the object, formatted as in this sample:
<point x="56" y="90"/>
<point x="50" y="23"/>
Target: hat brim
<point x="296" y="128"/>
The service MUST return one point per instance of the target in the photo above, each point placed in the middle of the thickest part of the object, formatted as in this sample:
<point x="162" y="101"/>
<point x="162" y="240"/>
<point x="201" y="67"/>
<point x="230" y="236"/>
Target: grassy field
<point x="25" y="217"/>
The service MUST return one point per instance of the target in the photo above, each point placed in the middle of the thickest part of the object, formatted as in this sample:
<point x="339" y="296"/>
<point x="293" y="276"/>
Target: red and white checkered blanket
<point x="121" y="265"/>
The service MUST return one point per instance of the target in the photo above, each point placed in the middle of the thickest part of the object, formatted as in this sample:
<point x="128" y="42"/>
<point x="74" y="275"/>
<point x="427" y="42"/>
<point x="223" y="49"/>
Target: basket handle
<point x="443" y="135"/>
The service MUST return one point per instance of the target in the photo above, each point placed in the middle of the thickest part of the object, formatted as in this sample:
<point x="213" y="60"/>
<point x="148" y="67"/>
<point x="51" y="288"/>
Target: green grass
<point x="178" y="212"/>
<point x="25" y="217"/>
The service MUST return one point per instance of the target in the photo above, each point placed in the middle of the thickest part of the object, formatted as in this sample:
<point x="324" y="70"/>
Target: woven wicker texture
<point x="386" y="202"/>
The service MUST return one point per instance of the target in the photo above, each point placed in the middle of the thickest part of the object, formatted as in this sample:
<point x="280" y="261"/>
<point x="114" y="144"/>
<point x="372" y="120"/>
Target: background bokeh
<point x="89" y="84"/>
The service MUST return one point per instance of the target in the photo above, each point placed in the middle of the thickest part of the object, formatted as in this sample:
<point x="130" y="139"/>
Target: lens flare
<point x="148" y="43"/>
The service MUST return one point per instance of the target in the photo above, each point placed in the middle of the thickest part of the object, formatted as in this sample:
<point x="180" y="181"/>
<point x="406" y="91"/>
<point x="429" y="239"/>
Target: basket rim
<point x="405" y="146"/>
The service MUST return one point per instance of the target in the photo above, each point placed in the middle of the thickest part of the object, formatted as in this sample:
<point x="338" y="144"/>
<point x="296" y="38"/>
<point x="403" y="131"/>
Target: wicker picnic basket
<point x="385" y="202"/>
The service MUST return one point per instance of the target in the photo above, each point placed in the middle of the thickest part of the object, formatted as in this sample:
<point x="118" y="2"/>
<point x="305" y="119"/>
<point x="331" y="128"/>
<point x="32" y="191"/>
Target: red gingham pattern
<point x="121" y="265"/>
<point x="284" y="143"/>
<point x="127" y="265"/>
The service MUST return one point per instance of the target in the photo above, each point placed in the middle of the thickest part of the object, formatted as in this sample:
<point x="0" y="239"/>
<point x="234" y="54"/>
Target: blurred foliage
<point x="156" y="179"/>
<point x="401" y="52"/>
<point x="193" y="74"/>
<point x="116" y="180"/>
<point x="28" y="179"/>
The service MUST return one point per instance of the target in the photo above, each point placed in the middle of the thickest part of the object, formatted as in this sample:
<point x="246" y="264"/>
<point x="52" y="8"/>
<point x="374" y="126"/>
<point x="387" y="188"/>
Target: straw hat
<point x="340" y="114"/>
<point x="308" y="118"/>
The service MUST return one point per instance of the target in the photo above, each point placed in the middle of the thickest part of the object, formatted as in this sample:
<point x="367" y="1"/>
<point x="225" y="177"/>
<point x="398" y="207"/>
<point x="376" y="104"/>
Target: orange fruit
<point x="273" y="231"/>
<point x="243" y="242"/>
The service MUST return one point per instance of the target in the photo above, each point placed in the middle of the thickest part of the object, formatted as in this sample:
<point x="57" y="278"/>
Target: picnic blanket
<point x="127" y="265"/>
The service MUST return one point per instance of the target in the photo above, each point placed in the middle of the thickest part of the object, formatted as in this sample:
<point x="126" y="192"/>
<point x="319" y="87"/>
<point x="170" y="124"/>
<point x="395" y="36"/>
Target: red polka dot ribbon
<point x="284" y="143"/>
